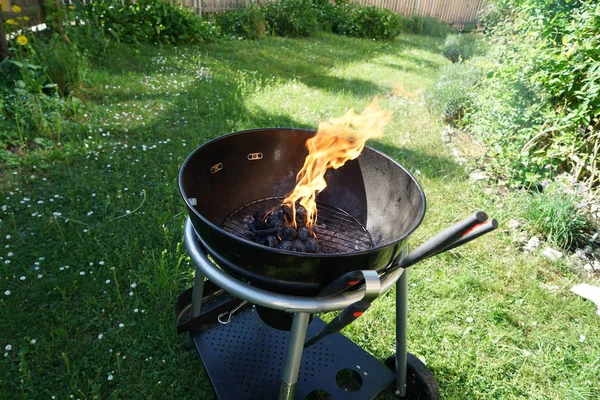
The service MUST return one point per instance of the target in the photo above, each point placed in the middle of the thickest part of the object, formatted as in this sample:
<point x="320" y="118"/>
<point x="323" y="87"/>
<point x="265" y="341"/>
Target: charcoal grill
<point x="365" y="216"/>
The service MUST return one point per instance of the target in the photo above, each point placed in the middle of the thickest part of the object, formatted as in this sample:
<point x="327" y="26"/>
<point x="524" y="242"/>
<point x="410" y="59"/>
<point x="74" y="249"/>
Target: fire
<point x="337" y="141"/>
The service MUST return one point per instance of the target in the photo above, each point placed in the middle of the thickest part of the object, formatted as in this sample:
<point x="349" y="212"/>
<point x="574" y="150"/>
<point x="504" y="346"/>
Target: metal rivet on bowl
<point x="216" y="168"/>
<point x="193" y="201"/>
<point x="255" y="156"/>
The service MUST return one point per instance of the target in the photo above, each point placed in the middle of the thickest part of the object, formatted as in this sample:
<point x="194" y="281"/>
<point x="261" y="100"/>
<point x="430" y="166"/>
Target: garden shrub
<point x="293" y="18"/>
<point x="454" y="91"/>
<point x="335" y="17"/>
<point x="247" y="23"/>
<point x="148" y="21"/>
<point x="461" y="47"/>
<point x="371" y="22"/>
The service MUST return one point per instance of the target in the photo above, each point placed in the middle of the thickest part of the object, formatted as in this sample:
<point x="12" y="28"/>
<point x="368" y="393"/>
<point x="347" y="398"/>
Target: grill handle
<point x="354" y="310"/>
<point x="458" y="234"/>
<point x="344" y="282"/>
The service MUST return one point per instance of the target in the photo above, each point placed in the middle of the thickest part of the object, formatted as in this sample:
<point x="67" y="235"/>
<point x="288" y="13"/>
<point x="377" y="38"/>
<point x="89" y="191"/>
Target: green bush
<point x="461" y="47"/>
<point x="453" y="92"/>
<point x="248" y="23"/>
<point x="147" y="21"/>
<point x="372" y="22"/>
<point x="293" y="18"/>
<point x="335" y="17"/>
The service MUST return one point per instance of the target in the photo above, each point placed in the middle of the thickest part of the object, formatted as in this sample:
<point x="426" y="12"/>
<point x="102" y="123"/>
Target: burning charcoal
<point x="285" y="245"/>
<point x="300" y="215"/>
<point x="289" y="233"/>
<point x="312" y="245"/>
<point x="272" y="241"/>
<point x="298" y="246"/>
<point x="303" y="233"/>
<point x="286" y="213"/>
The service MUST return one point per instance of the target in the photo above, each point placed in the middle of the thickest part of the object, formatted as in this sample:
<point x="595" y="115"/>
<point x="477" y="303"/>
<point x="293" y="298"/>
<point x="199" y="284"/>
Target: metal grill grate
<point x="336" y="230"/>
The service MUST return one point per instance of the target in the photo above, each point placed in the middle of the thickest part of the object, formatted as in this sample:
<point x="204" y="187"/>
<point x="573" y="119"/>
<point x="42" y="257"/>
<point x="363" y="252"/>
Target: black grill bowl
<point x="227" y="173"/>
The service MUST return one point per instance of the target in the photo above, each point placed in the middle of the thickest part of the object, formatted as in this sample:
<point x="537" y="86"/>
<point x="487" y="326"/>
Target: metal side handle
<point x="354" y="310"/>
<point x="458" y="234"/>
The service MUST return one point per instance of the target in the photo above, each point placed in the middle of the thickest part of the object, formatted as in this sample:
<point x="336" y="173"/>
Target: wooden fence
<point x="453" y="12"/>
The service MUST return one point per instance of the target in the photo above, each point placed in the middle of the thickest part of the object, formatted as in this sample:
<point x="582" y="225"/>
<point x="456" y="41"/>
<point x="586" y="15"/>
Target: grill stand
<point x="302" y="307"/>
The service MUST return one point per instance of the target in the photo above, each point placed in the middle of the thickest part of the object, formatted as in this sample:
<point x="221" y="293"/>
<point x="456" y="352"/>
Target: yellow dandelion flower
<point x="26" y="18"/>
<point x="71" y="7"/>
<point x="11" y="21"/>
<point x="16" y="8"/>
<point x="22" y="40"/>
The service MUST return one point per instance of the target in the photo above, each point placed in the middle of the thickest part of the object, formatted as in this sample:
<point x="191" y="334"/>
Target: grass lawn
<point x="91" y="231"/>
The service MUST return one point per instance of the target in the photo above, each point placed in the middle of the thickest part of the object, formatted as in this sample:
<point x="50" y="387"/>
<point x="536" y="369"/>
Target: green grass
<point x="491" y="322"/>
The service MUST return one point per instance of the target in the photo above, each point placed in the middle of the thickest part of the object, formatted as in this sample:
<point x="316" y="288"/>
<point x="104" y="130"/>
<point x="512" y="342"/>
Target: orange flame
<point x="337" y="141"/>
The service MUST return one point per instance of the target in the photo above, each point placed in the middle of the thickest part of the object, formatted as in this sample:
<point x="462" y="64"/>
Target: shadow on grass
<point x="431" y="165"/>
<point x="310" y="61"/>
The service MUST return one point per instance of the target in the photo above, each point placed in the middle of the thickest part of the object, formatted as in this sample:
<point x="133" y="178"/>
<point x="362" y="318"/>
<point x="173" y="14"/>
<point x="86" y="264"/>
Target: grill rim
<point x="231" y="236"/>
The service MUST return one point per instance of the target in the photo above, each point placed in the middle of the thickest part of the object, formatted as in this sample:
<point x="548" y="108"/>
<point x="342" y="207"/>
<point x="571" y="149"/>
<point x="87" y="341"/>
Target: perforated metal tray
<point x="244" y="360"/>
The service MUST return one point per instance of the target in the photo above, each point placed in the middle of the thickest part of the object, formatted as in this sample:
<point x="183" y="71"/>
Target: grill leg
<point x="294" y="356"/>
<point x="196" y="305"/>
<point x="401" y="317"/>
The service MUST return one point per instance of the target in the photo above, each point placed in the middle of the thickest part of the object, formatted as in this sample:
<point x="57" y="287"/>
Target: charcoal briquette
<point x="272" y="241"/>
<point x="280" y="224"/>
<point x="312" y="245"/>
<point x="286" y="214"/>
<point x="298" y="245"/>
<point x="303" y="233"/>
<point x="285" y="245"/>
<point x="272" y="219"/>
<point x="289" y="233"/>
<point x="258" y="216"/>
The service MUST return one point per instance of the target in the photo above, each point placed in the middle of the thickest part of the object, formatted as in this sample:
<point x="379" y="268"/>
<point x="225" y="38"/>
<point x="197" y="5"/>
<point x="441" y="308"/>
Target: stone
<point x="596" y="265"/>
<point x="588" y="268"/>
<point x="478" y="175"/>
<point x="532" y="244"/>
<point x="552" y="254"/>
<point x="581" y="254"/>
<point x="514" y="224"/>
